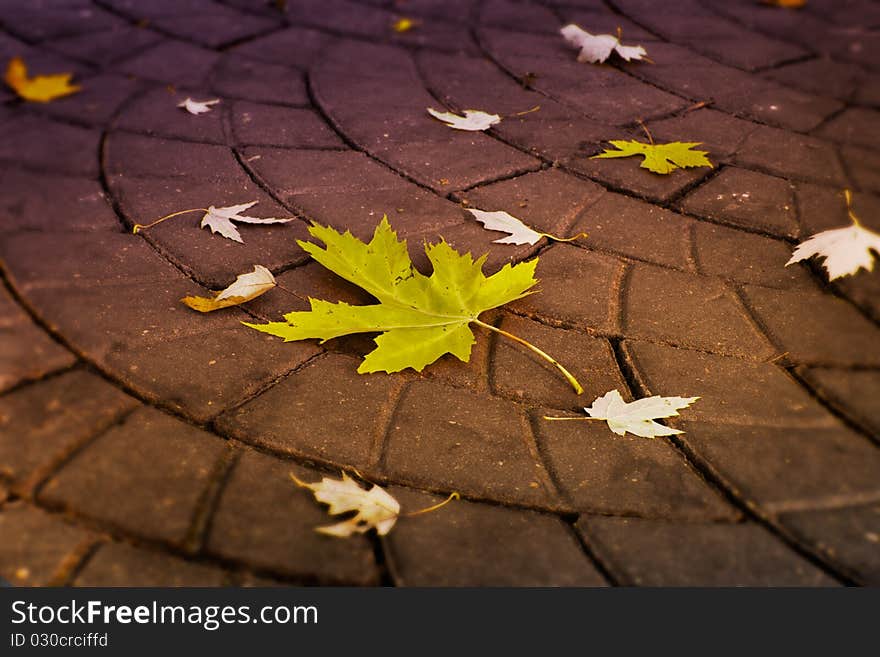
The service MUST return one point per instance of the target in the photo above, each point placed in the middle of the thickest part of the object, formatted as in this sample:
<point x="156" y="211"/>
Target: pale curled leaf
<point x="473" y="120"/>
<point x="596" y="48"/>
<point x="375" y="508"/>
<point x="246" y="287"/>
<point x="40" y="88"/>
<point x="638" y="417"/>
<point x="659" y="158"/>
<point x="220" y="220"/>
<point x="198" y="106"/>
<point x="518" y="232"/>
<point x="845" y="250"/>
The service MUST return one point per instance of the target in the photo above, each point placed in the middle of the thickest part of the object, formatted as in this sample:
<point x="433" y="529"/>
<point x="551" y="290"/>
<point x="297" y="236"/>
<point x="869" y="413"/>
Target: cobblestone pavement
<point x="142" y="444"/>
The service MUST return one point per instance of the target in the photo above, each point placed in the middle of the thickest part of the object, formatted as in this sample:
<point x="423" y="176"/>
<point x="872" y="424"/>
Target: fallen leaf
<point x="659" y="158"/>
<point x="596" y="48"/>
<point x="785" y="4"/>
<point x="635" y="417"/>
<point x="518" y="232"/>
<point x="420" y="317"/>
<point x="198" y="106"/>
<point x="473" y="120"/>
<point x="845" y="250"/>
<point x="40" y="88"/>
<point x="404" y="24"/>
<point x="219" y="220"/>
<point x="375" y="508"/>
<point x="246" y="287"/>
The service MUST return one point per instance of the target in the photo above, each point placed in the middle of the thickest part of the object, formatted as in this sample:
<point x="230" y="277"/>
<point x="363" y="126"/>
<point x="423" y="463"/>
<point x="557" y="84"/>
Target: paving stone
<point x="119" y="564"/>
<point x="746" y="198"/>
<point x="689" y="311"/>
<point x="548" y="201"/>
<point x="326" y="411"/>
<point x="815" y="328"/>
<point x="732" y="391"/>
<point x="45" y="421"/>
<point x="156" y="113"/>
<point x="96" y="103"/>
<point x="450" y="439"/>
<point x="791" y="155"/>
<point x="136" y="156"/>
<point x="521" y="375"/>
<point x="601" y="472"/>
<point x="590" y="307"/>
<point x="215" y="28"/>
<point x="656" y="553"/>
<point x="636" y="229"/>
<point x="519" y="16"/>
<point x="823" y="208"/>
<point x="241" y="77"/>
<point x="106" y="47"/>
<point x="746" y="258"/>
<point x="172" y="62"/>
<point x="46" y="145"/>
<point x="109" y="482"/>
<point x="294" y="46"/>
<point x="780" y="468"/>
<point x="824" y="77"/>
<point x="847" y="536"/>
<point x="469" y="544"/>
<point x="30" y="201"/>
<point x="265" y="520"/>
<point x="35" y="545"/>
<point x="36" y="23"/>
<point x="720" y="134"/>
<point x="257" y="124"/>
<point x="855" y="125"/>
<point x="137" y="10"/>
<point x="26" y="351"/>
<point x="855" y="393"/>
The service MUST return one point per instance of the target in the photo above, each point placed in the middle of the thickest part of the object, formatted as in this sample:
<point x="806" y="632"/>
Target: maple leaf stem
<point x="578" y="388"/>
<point x="849" y="210"/>
<point x="564" y="239"/>
<point x="433" y="507"/>
<point x="578" y="419"/>
<point x="139" y="227"/>
<point x="528" y="111"/>
<point x="647" y="132"/>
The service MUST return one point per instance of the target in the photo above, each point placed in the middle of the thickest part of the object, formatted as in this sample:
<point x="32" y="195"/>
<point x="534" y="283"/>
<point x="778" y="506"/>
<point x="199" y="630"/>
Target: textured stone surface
<point x="118" y="564"/>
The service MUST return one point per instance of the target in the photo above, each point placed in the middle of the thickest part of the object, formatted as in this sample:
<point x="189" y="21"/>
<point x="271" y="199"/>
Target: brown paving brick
<point x="824" y="77"/>
<point x="156" y="113"/>
<point x="29" y="202"/>
<point x="815" y="328"/>
<point x="747" y="258"/>
<point x="174" y="62"/>
<point x="855" y="125"/>
<point x="134" y="155"/>
<point x="214" y="28"/>
<point x="588" y="306"/>
<point x="746" y="198"/>
<point x="470" y="544"/>
<point x="719" y="133"/>
<point x="242" y="77"/>
<point x="108" y="46"/>
<point x="264" y="520"/>
<point x="98" y="101"/>
<point x="48" y="145"/>
<point x="863" y="165"/>
<point x="26" y="351"/>
<point x="43" y="421"/>
<point x="145" y="476"/>
<point x="780" y="467"/>
<point x="626" y="475"/>
<point x="856" y="393"/>
<point x="636" y="229"/>
<point x="35" y="23"/>
<point x="259" y="124"/>
<point x="326" y="411"/>
<point x="791" y="155"/>
<point x="847" y="536"/>
<point x="523" y="376"/>
<point x="293" y="46"/>
<point x="35" y="544"/>
<point x="732" y="391"/>
<point x="689" y="311"/>
<point x="119" y="564"/>
<point x="451" y="439"/>
<point x="657" y="553"/>
<point x="823" y="208"/>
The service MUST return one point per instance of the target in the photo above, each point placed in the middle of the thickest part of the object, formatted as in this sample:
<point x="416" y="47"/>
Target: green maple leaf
<point x="660" y="158"/>
<point x="420" y="317"/>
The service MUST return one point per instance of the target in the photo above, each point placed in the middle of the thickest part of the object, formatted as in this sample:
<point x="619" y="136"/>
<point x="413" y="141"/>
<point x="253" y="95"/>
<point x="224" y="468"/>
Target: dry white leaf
<point x="518" y="232"/>
<point x="219" y="220"/>
<point x="474" y="120"/>
<point x="375" y="507"/>
<point x="596" y="48"/>
<point x="246" y="287"/>
<point x="198" y="106"/>
<point x="845" y="250"/>
<point x="637" y="417"/>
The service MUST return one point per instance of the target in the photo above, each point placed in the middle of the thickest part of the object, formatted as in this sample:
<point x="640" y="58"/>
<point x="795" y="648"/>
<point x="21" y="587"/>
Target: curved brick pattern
<point x="174" y="433"/>
<point x="657" y="553"/>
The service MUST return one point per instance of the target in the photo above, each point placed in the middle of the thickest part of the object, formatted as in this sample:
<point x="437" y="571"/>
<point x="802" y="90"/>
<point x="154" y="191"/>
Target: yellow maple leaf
<point x="40" y="88"/>
<point x="659" y="158"/>
<point x="404" y="24"/>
